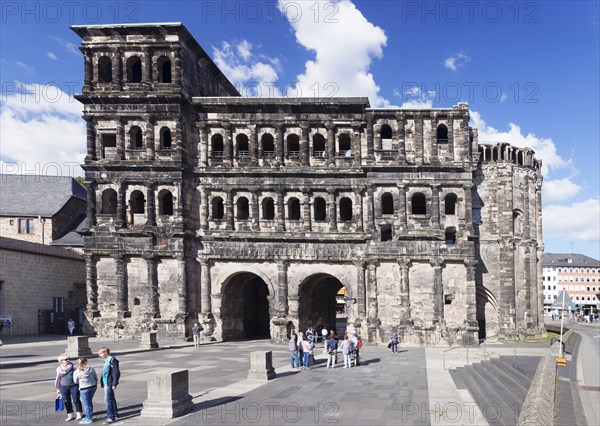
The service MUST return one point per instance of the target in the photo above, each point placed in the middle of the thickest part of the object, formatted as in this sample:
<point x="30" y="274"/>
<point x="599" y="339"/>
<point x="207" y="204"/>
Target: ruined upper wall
<point x="138" y="58"/>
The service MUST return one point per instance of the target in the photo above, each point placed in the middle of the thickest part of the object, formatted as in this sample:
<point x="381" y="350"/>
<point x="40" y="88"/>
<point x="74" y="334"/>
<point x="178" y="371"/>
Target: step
<point x="510" y="383"/>
<point x="457" y="375"/>
<point x="508" y="368"/>
<point x="504" y="392"/>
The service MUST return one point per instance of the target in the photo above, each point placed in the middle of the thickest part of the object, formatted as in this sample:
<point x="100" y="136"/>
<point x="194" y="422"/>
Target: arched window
<point x="442" y="133"/>
<point x="243" y="148"/>
<point x="419" y="204"/>
<point x="165" y="203"/>
<point x="319" y="146"/>
<point x="104" y="70"/>
<point x="135" y="138"/>
<point x="293" y="146"/>
<point x="268" y="209"/>
<point x="243" y="211"/>
<point x="164" y="70"/>
<point x="216" y="143"/>
<point x="134" y="70"/>
<point x="268" y="145"/>
<point x="109" y="201"/>
<point x="386" y="132"/>
<point x="294" y="209"/>
<point x="450" y="204"/>
<point x="450" y="236"/>
<point x="386" y="233"/>
<point x="320" y="209"/>
<point x="345" y="143"/>
<point x="165" y="138"/>
<point x="346" y="209"/>
<point x="136" y="202"/>
<point x="217" y="208"/>
<point x="387" y="203"/>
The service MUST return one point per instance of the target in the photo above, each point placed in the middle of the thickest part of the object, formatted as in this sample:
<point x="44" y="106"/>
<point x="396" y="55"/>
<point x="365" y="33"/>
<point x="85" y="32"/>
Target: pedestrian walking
<point x="394" y="342"/>
<point x="196" y="329"/>
<point x="66" y="387"/>
<point x="109" y="381"/>
<point x="85" y="376"/>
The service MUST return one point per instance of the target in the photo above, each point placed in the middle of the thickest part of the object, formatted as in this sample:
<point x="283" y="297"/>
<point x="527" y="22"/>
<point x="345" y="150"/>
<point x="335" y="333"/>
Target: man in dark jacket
<point x="109" y="381"/>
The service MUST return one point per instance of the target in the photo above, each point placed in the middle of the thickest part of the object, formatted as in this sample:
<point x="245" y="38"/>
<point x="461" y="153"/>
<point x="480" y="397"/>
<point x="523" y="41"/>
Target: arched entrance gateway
<point x="245" y="308"/>
<point x="318" y="297"/>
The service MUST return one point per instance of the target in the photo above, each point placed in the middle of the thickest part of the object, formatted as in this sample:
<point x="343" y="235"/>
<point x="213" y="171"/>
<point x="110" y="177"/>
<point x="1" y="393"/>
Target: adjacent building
<point x="251" y="214"/>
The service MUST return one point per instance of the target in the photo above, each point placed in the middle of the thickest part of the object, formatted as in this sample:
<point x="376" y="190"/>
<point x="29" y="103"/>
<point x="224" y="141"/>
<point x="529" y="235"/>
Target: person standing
<point x="394" y="342"/>
<point x="66" y="387"/>
<point x="71" y="326"/>
<point x="293" y="347"/>
<point x="196" y="333"/>
<point x="331" y="351"/>
<point x="347" y="352"/>
<point x="306" y="352"/>
<point x="87" y="380"/>
<point x="109" y="381"/>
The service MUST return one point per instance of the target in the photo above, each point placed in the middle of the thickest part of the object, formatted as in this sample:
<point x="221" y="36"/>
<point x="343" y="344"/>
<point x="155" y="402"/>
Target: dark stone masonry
<point x="248" y="215"/>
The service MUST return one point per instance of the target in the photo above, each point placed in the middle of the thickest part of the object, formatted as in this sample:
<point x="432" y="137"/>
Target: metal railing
<point x="478" y="343"/>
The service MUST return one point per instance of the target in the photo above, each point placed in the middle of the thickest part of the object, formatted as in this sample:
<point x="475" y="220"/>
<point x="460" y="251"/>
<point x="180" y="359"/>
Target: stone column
<point x="182" y="289"/>
<point x="178" y="153"/>
<point x="370" y="156"/>
<point x="205" y="287"/>
<point x="280" y="212"/>
<point x="91" y="205"/>
<point x="121" y="278"/>
<point x="121" y="221"/>
<point x="203" y="145"/>
<point x="178" y="68"/>
<point x="402" y="215"/>
<point x="203" y="208"/>
<point x="377" y="138"/>
<point x="91" y="281"/>
<point x="418" y="138"/>
<point x="255" y="215"/>
<point x="121" y="140"/>
<point x="117" y="70"/>
<point x="147" y="69"/>
<point x="90" y="139"/>
<point x="304" y="145"/>
<point x="150" y="207"/>
<point x="438" y="290"/>
<point x="370" y="212"/>
<point x="306" y="219"/>
<point x="227" y="144"/>
<point x="178" y="202"/>
<point x="150" y="143"/>
<point x="253" y="146"/>
<point x="433" y="143"/>
<point x="404" y="291"/>
<point x="451" y="138"/>
<point x="468" y="188"/>
<point x="401" y="138"/>
<point x="471" y="293"/>
<point x="356" y="148"/>
<point x="153" y="300"/>
<point x="332" y="210"/>
<point x="229" y="210"/>
<point x="330" y="143"/>
<point x="88" y="69"/>
<point x="361" y="292"/>
<point x="358" y="209"/>
<point x="435" y="205"/>
<point x="279" y="144"/>
<point x="100" y="154"/>
<point x="282" y="286"/>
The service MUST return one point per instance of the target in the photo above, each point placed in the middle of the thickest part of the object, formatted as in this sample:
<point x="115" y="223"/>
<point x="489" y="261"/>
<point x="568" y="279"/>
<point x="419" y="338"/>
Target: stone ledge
<point x="538" y="408"/>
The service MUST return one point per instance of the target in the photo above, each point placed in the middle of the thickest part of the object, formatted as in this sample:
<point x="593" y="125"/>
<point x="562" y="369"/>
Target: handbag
<point x="58" y="404"/>
<point x="389" y="345"/>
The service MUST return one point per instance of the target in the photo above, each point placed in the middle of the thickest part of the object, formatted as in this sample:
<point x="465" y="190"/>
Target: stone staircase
<point x="498" y="386"/>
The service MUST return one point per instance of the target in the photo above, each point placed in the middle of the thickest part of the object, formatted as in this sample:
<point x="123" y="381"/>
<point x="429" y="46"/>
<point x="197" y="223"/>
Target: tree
<point x="81" y="181"/>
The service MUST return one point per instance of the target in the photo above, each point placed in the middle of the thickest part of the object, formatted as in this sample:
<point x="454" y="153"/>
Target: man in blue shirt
<point x="109" y="381"/>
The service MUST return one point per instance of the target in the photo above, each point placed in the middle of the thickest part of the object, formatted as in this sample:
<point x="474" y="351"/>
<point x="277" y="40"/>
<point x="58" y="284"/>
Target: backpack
<point x="359" y="344"/>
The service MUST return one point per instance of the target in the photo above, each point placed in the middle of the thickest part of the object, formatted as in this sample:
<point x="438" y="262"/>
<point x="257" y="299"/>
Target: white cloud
<point x="457" y="61"/>
<point x="51" y="56"/>
<point x="28" y="68"/>
<point x="578" y="221"/>
<point x="560" y="189"/>
<point x="344" y="43"/>
<point x="415" y="98"/>
<point x="70" y="46"/>
<point x="41" y="131"/>
<point x="252" y="77"/>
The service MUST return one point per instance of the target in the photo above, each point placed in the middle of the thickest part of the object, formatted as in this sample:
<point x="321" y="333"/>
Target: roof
<point x="562" y="259"/>
<point x="37" y="195"/>
<point x="72" y="238"/>
<point x="36" y="248"/>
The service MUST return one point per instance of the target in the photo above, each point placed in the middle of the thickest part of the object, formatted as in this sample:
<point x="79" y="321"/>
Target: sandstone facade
<point x="249" y="214"/>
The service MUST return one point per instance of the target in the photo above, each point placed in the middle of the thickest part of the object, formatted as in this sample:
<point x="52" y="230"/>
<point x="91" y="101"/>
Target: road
<point x="588" y="370"/>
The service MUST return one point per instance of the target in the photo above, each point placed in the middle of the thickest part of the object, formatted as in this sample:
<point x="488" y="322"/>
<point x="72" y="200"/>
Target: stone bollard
<point x="261" y="366"/>
<point x="78" y="346"/>
<point x="168" y="395"/>
<point x="149" y="341"/>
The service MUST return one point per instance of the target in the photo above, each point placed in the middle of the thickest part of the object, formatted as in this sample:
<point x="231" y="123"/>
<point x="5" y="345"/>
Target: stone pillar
<point x="468" y="188"/>
<point x="435" y="206"/>
<point x="203" y="208"/>
<point x="153" y="300"/>
<point x="402" y="214"/>
<point x="121" y="221"/>
<point x="147" y="69"/>
<point x="178" y="202"/>
<point x="253" y="146"/>
<point x="88" y="70"/>
<point x="227" y="144"/>
<point x="432" y="142"/>
<point x="451" y="138"/>
<point x="203" y="145"/>
<point x="418" y="139"/>
<point x="121" y="140"/>
<point x="401" y="138"/>
<point x="150" y="207"/>
<point x="330" y="143"/>
<point x="78" y="346"/>
<point x="150" y="143"/>
<point x="182" y="289"/>
<point x="178" y="68"/>
<point x="121" y="278"/>
<point x="91" y="139"/>
<point x="370" y="156"/>
<point x="304" y="145"/>
<point x="279" y="144"/>
<point x="370" y="212"/>
<point x="255" y="211"/>
<point x="229" y="210"/>
<point x="282" y="285"/>
<point x="91" y="206"/>
<point x="358" y="210"/>
<point x="117" y="70"/>
<point x="91" y="284"/>
<point x="100" y="154"/>
<point x="148" y="340"/>
<point x="168" y="395"/>
<point x="471" y="293"/>
<point x="438" y="290"/>
<point x="404" y="292"/>
<point x="306" y="219"/>
<point x="360" y="287"/>
<point x="356" y="148"/>
<point x="205" y="287"/>
<point x="261" y="366"/>
<point x="377" y="138"/>
<point x="332" y="210"/>
<point x="280" y="212"/>
<point x="178" y="145"/>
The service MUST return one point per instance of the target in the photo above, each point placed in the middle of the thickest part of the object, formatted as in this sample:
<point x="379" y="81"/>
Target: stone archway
<point x="317" y="301"/>
<point x="245" y="308"/>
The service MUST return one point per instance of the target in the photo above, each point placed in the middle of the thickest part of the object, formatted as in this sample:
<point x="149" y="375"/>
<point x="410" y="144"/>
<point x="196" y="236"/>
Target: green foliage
<point x="81" y="181"/>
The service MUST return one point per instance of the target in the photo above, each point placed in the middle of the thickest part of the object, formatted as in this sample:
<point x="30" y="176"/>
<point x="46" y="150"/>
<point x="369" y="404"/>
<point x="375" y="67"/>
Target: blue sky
<point x="529" y="70"/>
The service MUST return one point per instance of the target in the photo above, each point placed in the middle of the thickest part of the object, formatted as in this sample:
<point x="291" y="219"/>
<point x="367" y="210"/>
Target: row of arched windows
<point x="419" y="204"/>
<point x="134" y="70"/>
<point x="385" y="132"/>
<point x="137" y="202"/>
<point x="136" y="140"/>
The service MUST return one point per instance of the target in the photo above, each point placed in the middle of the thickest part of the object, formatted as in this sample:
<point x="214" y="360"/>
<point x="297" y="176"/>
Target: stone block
<point x="78" y="346"/>
<point x="168" y="395"/>
<point x="149" y="341"/>
<point x="261" y="366"/>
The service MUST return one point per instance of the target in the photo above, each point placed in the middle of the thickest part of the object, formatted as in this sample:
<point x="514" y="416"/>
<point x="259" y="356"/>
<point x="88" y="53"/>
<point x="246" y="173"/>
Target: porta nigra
<point x="249" y="215"/>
